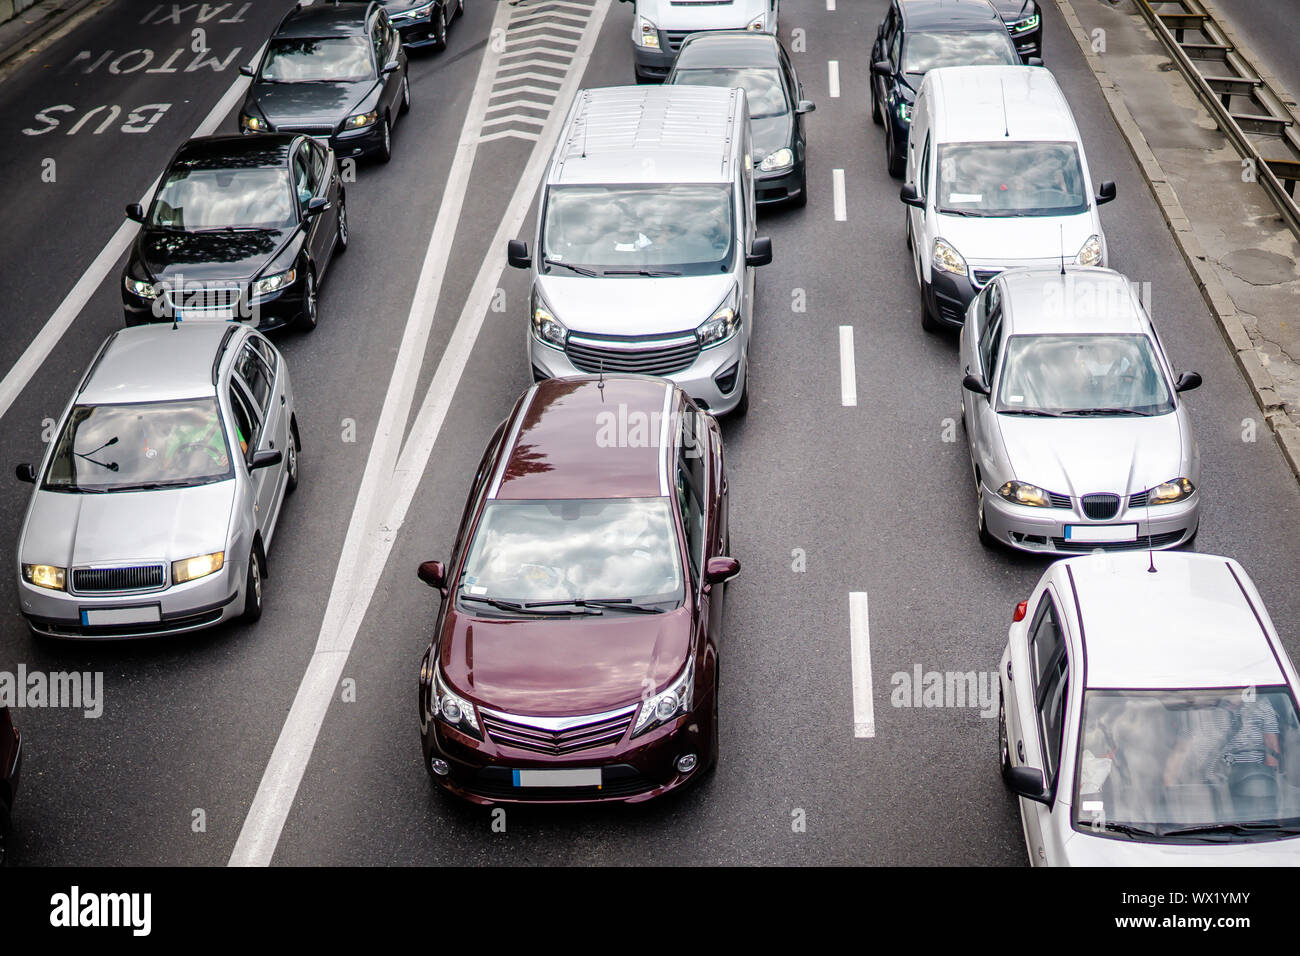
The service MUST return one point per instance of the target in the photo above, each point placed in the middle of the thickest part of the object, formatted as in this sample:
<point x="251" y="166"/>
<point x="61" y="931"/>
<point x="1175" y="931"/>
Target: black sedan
<point x="335" y="72"/>
<point x="921" y="35"/>
<point x="1025" y="24"/>
<point x="11" y="765"/>
<point x="241" y="228"/>
<point x="758" y="64"/>
<point x="424" y="23"/>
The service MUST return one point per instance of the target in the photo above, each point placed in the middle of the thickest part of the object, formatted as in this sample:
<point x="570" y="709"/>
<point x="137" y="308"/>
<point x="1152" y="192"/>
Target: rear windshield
<point x="928" y="51"/>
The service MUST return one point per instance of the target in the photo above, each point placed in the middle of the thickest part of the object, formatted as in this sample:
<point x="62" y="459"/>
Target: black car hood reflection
<point x="310" y="104"/>
<point x="770" y="134"/>
<point x="208" y="256"/>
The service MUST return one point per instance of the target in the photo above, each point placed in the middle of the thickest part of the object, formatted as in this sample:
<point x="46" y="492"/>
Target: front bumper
<point x="1029" y="43"/>
<point x="417" y="32"/>
<point x="651" y="64"/>
<point x="779" y="186"/>
<point x="947" y="296"/>
<point x="1042" y="530"/>
<point x="265" y="313"/>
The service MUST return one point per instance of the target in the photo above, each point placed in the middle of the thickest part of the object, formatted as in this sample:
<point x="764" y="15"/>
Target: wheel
<point x="386" y="146"/>
<point x="310" y="307"/>
<point x="876" y="116"/>
<point x="893" y="162"/>
<point x="406" y="95"/>
<point x="460" y="8"/>
<point x="291" y="465"/>
<point x="1004" y="744"/>
<point x="801" y="200"/>
<point x="440" y="43"/>
<point x="341" y="242"/>
<point x="986" y="539"/>
<point x="253" y="589"/>
<point x="928" y="321"/>
<point x="743" y="405"/>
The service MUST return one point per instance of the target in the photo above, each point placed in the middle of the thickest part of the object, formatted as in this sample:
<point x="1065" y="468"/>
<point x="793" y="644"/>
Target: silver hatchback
<point x="157" y="500"/>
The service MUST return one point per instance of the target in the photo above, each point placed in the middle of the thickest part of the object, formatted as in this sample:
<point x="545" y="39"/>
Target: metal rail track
<point x="1254" y="117"/>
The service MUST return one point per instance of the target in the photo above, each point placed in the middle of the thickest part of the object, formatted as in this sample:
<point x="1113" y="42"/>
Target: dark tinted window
<point x="193" y="199"/>
<point x="253" y="371"/>
<point x="927" y="51"/>
<point x="247" y="423"/>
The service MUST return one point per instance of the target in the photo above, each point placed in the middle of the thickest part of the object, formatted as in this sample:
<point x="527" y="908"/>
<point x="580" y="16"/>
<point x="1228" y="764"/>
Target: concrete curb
<point x="1216" y="297"/>
<point x="41" y="29"/>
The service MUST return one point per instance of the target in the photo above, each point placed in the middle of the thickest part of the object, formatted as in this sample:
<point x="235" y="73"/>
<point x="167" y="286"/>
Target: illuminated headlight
<point x="905" y="111"/>
<point x="1022" y="493"/>
<point x="274" y="283"/>
<point x="254" y="124"/>
<point x="1170" y="491"/>
<point x="778" y="159"/>
<point x="721" y="325"/>
<point x="947" y="259"/>
<point x="1090" y="254"/>
<point x="668" y="704"/>
<point x="46" y="576"/>
<point x="452" y="709"/>
<point x="197" y="567"/>
<point x="759" y="24"/>
<point x="1025" y="25"/>
<point x="647" y="33"/>
<point x="145" y="290"/>
<point x="547" y="328"/>
<point x="361" y="119"/>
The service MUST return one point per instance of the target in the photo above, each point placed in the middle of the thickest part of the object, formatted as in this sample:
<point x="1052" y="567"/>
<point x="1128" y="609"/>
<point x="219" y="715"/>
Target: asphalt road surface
<point x="397" y="399"/>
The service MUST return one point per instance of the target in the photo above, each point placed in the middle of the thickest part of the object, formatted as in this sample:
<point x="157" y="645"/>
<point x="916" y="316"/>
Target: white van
<point x="660" y="26"/>
<point x="643" y="260"/>
<point x="996" y="178"/>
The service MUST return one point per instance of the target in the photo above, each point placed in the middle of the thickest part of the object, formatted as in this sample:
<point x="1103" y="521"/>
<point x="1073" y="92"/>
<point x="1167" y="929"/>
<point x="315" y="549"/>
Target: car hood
<point x="72" y="530"/>
<point x="642" y="306"/>
<point x="701" y="15"/>
<point x="1004" y="239"/>
<point x="770" y="134"/>
<point x="559" y="667"/>
<point x="325" y="103"/>
<point x="1085" y="849"/>
<point x="208" y="256"/>
<point x="1086" y="455"/>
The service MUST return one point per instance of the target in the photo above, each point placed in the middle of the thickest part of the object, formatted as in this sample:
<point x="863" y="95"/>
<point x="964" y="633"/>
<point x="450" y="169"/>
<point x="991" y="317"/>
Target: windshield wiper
<point x="652" y="273"/>
<point x="1228" y="829"/>
<point x="1085" y="412"/>
<point x="519" y="607"/>
<point x="1128" y="829"/>
<point x="230" y="229"/>
<point x="1036" y="412"/>
<point x="580" y="270"/>
<point x="597" y="604"/>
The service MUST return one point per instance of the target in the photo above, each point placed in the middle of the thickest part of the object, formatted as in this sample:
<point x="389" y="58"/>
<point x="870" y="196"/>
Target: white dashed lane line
<point x="864" y="713"/>
<point x="848" y="369"/>
<point x="841" y="206"/>
<point x="834" y="67"/>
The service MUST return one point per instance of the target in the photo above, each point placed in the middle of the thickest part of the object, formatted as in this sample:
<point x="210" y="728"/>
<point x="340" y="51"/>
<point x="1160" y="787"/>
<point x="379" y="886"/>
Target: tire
<point x="406" y="96"/>
<point x="742" y="408"/>
<point x="460" y="9"/>
<point x="1004" y="742"/>
<point x="253" y="589"/>
<point x="341" y="241"/>
<point x="291" y="465"/>
<point x="386" y="146"/>
<point x="801" y="200"/>
<point x="440" y="43"/>
<point x="928" y="322"/>
<point x="876" y="116"/>
<point x="893" y="162"/>
<point x="986" y="539"/>
<point x="311" y="305"/>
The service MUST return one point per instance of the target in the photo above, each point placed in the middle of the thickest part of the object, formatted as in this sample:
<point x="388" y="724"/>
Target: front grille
<point x="203" y="297"/>
<point x="638" y="356"/>
<point x="98" y="580"/>
<point x="619" y="780"/>
<point x="514" y="732"/>
<point x="1141" y="544"/>
<point x="324" y="131"/>
<point x="676" y="37"/>
<point x="984" y="276"/>
<point x="1059" y="501"/>
<point x="1101" y="507"/>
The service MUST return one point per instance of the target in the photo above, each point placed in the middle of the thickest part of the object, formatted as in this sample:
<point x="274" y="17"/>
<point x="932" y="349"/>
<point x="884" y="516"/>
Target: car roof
<point x="687" y="130"/>
<point x="1085" y="300"/>
<point x="573" y="438"/>
<point x="936" y="15"/>
<point x="728" y="48"/>
<point x="1190" y="624"/>
<point x="219" y="152"/>
<point x="156" y="363"/>
<point x="326" y="20"/>
<point x="999" y="103"/>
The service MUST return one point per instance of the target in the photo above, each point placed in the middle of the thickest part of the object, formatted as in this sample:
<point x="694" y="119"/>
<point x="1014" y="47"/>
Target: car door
<point x="918" y="162"/>
<point x="794" y="93"/>
<point x="384" y="53"/>
<point x="252" y="438"/>
<point x="305" y="186"/>
<point x="325" y="185"/>
<point x="259" y="382"/>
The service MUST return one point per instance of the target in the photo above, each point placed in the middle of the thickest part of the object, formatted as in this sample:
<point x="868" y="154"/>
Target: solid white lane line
<point x="834" y="67"/>
<point x="864" y="713"/>
<point x="389" y="482"/>
<point x="848" y="368"/>
<point x="841" y="206"/>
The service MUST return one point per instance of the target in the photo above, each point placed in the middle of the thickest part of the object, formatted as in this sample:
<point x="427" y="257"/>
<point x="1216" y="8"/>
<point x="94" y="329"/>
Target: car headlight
<point x="1023" y="493"/>
<point x="145" y="290"/>
<point x="948" y="259"/>
<point x="759" y="23"/>
<point x="905" y="111"/>
<point x="189" y="569"/>
<point x="547" y="328"/>
<point x="254" y="124"/>
<point x="778" y="159"/>
<point x="647" y="33"/>
<point x="1176" y="489"/>
<point x="452" y="709"/>
<point x="423" y="10"/>
<point x="46" y="576"/>
<point x="361" y="119"/>
<point x="1025" y="25"/>
<point x="269" y="284"/>
<point x="721" y="325"/>
<point x="1090" y="254"/>
<point x="668" y="704"/>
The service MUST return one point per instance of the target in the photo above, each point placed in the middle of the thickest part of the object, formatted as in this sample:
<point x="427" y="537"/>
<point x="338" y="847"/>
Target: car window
<point x="247" y="424"/>
<point x="254" y="373"/>
<point x="923" y="179"/>
<point x="1084" y="375"/>
<point x="302" y="178"/>
<point x="928" y="51"/>
<point x="315" y="163"/>
<point x="691" y="478"/>
<point x="266" y="350"/>
<point x="304" y="60"/>
<point x="1051" y="715"/>
<point x="1011" y="179"/>
<point x="377" y="41"/>
<point x="991" y="331"/>
<point x="193" y="198"/>
<point x="895" y="43"/>
<point x="1045" y="639"/>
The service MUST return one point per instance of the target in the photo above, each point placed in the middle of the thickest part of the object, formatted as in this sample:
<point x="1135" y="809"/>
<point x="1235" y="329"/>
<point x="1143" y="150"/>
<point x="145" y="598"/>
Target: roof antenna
<point x="585" y="127"/>
<point x="1061" y="227"/>
<point x="1006" y="124"/>
<point x="1151" y="550"/>
<point x="600" y="382"/>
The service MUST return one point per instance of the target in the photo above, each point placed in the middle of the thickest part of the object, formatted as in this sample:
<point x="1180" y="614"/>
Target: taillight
<point x="1021" y="610"/>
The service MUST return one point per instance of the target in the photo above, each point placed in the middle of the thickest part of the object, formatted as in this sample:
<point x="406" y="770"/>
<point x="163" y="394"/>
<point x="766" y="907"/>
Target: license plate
<point x="582" y="777"/>
<point x="1101" y="532"/>
<point x="99" y="617"/>
<point x="202" y="315"/>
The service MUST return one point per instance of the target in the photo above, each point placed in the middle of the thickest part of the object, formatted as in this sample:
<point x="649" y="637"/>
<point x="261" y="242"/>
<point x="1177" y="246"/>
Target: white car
<point x="660" y="26"/>
<point x="1148" y="717"/>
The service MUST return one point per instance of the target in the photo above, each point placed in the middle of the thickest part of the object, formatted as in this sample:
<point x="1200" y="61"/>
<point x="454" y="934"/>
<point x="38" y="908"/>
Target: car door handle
<point x="281" y="399"/>
<point x="1020" y="750"/>
<point x="1009" y="677"/>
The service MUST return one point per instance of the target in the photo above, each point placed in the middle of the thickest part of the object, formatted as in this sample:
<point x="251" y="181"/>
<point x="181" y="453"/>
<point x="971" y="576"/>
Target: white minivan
<point x="660" y="26"/>
<point x="996" y="179"/>
<point x="644" y="255"/>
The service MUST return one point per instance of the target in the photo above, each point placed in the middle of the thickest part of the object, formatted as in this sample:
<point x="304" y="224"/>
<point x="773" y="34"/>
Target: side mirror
<point x="806" y="106"/>
<point x="517" y="254"/>
<point x="390" y="67"/>
<point x="882" y="68"/>
<point x="1188" y="381"/>
<point x="135" y="212"/>
<point x="974" y="383"/>
<point x="720" y="569"/>
<point x="1028" y="783"/>
<point x="266" y="458"/>
<point x="909" y="197"/>
<point x="760" y="254"/>
<point x="26" y="472"/>
<point x="433" y="574"/>
<point x="1034" y="61"/>
<point x="1106" y="193"/>
<point x="316" y="205"/>
<point x="247" y="70"/>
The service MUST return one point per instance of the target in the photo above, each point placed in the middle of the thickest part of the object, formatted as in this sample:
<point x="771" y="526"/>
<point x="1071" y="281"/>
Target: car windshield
<point x="1169" y="760"/>
<point x="301" y="60"/>
<point x="604" y="549"/>
<point x="1083" y="374"/>
<point x="192" y="199"/>
<point x="929" y="51"/>
<point x="140" y="447"/>
<point x="627" y="230"/>
<point x="1011" y="179"/>
<point x="764" y="91"/>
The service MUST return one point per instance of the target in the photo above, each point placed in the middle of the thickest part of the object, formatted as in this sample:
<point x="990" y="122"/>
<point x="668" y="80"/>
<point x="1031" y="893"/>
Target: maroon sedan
<point x="575" y="655"/>
<point x="11" y="763"/>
